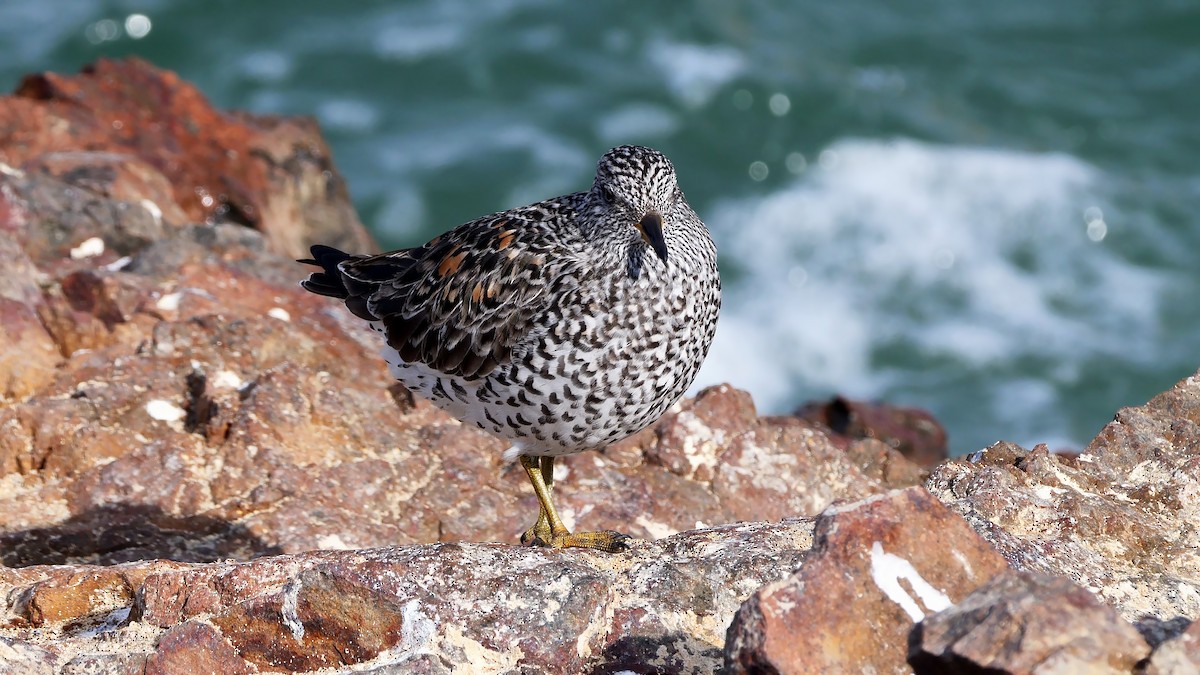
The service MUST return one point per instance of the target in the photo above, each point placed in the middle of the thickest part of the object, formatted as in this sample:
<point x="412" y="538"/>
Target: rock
<point x="203" y="406"/>
<point x="22" y="658"/>
<point x="195" y="648"/>
<point x="1178" y="655"/>
<point x="1122" y="520"/>
<point x="80" y="598"/>
<point x="912" y="432"/>
<point x="1027" y="622"/>
<point x="110" y="664"/>
<point x="780" y="469"/>
<point x="692" y="437"/>
<point x="663" y="607"/>
<point x="82" y="595"/>
<point x="28" y="354"/>
<point x="880" y="462"/>
<point x="876" y="569"/>
<point x="128" y="134"/>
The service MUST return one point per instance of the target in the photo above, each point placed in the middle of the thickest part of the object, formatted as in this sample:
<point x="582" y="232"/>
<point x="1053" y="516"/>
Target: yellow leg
<point x="549" y="530"/>
<point x="541" y="529"/>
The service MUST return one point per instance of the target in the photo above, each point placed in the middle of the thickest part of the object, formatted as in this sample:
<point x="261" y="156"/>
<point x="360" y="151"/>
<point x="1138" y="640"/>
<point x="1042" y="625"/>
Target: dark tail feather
<point x="329" y="282"/>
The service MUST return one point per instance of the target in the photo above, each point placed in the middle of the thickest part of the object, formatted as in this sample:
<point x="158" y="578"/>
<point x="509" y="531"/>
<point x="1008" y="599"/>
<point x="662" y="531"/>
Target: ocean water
<point x="991" y="211"/>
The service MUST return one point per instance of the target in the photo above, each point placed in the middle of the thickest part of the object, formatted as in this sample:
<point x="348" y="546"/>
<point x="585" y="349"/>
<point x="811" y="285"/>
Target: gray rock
<point x="1026" y="622"/>
<point x="1121" y="520"/>
<point x="662" y="607"/>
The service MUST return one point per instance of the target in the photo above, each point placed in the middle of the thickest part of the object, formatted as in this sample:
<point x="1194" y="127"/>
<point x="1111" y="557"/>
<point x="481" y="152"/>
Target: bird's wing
<point x="460" y="303"/>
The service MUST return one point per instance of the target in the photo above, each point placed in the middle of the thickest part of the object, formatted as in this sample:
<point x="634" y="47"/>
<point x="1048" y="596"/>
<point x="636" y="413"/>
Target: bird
<point x="563" y="326"/>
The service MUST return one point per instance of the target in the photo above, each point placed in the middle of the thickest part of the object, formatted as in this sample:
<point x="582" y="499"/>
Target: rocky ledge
<point x="205" y="469"/>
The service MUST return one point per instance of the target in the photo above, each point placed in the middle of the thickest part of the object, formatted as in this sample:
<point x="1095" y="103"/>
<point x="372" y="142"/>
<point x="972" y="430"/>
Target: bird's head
<point x="637" y="189"/>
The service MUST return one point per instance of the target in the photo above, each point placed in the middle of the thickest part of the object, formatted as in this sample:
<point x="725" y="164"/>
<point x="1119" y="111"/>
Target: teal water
<point x="992" y="211"/>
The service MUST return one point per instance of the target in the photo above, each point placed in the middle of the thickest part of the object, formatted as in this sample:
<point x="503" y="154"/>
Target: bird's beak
<point x="652" y="232"/>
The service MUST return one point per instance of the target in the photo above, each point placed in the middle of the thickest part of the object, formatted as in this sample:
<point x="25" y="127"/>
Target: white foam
<point x="636" y="121"/>
<point x="694" y="73"/>
<point x="971" y="257"/>
<point x="348" y="114"/>
<point x="267" y="66"/>
<point x="560" y="159"/>
<point x="415" y="42"/>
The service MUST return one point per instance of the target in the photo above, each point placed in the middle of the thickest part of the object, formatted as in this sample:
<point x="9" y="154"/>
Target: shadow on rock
<point x="126" y="532"/>
<point x="1157" y="630"/>
<point x="668" y="652"/>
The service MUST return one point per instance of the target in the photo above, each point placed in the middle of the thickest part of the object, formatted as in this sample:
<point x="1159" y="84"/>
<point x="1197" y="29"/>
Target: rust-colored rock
<point x="691" y="439"/>
<point x="195" y="648"/>
<point x="331" y="620"/>
<point x="781" y="469"/>
<point x="1120" y="519"/>
<point x="28" y="354"/>
<point x="880" y="462"/>
<point x="877" y="568"/>
<point x="79" y="596"/>
<point x="912" y="432"/>
<point x="1027" y="623"/>
<point x="129" y="132"/>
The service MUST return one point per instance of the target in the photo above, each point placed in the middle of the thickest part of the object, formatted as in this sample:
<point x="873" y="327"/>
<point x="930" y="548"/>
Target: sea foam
<point x="895" y="266"/>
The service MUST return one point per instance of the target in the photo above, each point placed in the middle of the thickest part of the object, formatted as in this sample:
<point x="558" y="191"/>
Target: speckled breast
<point x="609" y="357"/>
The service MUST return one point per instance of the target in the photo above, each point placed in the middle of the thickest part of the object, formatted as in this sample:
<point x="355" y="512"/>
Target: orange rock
<point x="28" y="355"/>
<point x="274" y="174"/>
<point x="876" y="569"/>
<point x="79" y="596"/>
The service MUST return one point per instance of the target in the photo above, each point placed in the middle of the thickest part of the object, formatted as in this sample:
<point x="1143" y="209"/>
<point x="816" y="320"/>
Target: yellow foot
<point x="607" y="541"/>
<point x="549" y="531"/>
<point x="536" y="535"/>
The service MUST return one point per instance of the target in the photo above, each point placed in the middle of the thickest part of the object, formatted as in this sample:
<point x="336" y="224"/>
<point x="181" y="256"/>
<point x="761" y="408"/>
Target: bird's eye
<point x="608" y="194"/>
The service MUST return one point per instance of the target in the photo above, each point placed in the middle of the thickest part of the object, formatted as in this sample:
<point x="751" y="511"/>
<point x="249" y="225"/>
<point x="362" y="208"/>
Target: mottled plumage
<point x="563" y="326"/>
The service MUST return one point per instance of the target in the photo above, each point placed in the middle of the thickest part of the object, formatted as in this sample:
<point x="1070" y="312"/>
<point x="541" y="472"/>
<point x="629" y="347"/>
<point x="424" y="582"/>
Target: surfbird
<point x="562" y="326"/>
